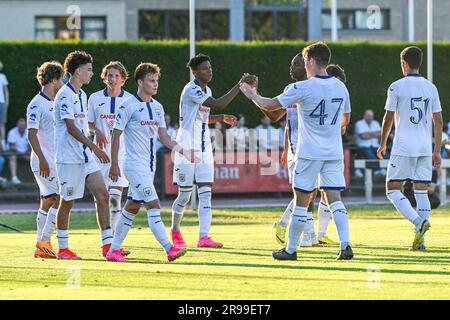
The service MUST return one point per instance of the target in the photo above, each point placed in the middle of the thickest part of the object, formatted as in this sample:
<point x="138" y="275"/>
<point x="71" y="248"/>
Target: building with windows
<point x="235" y="20"/>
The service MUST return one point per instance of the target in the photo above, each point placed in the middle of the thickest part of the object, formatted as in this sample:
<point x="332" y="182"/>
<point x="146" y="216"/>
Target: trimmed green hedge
<point x="370" y="68"/>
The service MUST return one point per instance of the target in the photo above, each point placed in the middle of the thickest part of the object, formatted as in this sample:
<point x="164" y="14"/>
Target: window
<point x="51" y="28"/>
<point x="266" y="21"/>
<point x="356" y="20"/>
<point x="174" y="24"/>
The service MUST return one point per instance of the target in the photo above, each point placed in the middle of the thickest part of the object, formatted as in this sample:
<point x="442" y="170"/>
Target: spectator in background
<point x="445" y="142"/>
<point x="239" y="134"/>
<point x="2" y="180"/>
<point x="4" y="102"/>
<point x="18" y="143"/>
<point x="367" y="134"/>
<point x="266" y="135"/>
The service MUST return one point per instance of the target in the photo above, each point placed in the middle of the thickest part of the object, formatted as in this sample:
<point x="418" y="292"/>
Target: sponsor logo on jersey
<point x="149" y="123"/>
<point x="79" y="115"/>
<point x="107" y="116"/>
<point x="33" y="107"/>
<point x="138" y="186"/>
<point x="142" y="109"/>
<point x="101" y="104"/>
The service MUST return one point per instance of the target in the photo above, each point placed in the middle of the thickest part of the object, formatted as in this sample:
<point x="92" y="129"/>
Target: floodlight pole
<point x="430" y="40"/>
<point x="334" y="22"/>
<point x="191" y="55"/>
<point x="411" y="31"/>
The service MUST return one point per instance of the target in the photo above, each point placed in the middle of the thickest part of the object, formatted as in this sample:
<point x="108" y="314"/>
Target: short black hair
<point x="412" y="56"/>
<point x="336" y="71"/>
<point x="197" y="60"/>
<point x="318" y="51"/>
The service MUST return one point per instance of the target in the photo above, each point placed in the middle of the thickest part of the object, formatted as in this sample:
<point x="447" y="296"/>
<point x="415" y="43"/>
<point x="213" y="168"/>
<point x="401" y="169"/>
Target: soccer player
<point x="75" y="163"/>
<point x="324" y="107"/>
<point x="41" y="139"/>
<point x="414" y="103"/>
<point x="103" y="105"/>
<point x="141" y="120"/>
<point x="196" y="102"/>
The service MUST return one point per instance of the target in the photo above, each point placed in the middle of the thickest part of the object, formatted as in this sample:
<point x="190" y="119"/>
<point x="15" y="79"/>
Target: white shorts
<point x="327" y="174"/>
<point x="418" y="169"/>
<point x="186" y="174"/>
<point x="48" y="187"/>
<point x="141" y="188"/>
<point x="72" y="178"/>
<point x="121" y="181"/>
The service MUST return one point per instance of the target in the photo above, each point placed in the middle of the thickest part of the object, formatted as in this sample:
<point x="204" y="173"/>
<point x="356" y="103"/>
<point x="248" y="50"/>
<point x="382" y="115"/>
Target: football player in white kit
<point x="141" y="120"/>
<point x="103" y="106"/>
<point x="196" y="102"/>
<point x="414" y="103"/>
<point x="41" y="138"/>
<point x="75" y="163"/>
<point x="324" y="108"/>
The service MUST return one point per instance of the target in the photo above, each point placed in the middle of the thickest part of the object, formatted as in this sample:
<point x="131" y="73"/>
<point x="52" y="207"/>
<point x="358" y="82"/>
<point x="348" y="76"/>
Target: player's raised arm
<point x="225" y="100"/>
<point x="265" y="104"/>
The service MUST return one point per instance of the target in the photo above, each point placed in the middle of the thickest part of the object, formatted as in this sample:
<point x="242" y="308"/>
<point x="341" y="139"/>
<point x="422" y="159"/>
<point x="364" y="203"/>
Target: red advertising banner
<point x="244" y="172"/>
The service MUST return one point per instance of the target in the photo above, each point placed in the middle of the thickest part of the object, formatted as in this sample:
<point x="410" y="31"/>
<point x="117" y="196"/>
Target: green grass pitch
<point x="383" y="268"/>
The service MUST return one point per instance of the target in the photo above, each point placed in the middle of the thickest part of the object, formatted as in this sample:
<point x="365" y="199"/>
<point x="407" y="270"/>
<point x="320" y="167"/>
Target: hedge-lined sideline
<point x="370" y="68"/>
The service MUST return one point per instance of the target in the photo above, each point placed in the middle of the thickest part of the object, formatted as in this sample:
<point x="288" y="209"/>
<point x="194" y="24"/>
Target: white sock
<point x="178" y="207"/>
<point x="298" y="223"/>
<point x="63" y="238"/>
<point x="204" y="210"/>
<point x="41" y="218"/>
<point x="115" y="198"/>
<point x="402" y="204"/>
<point x="310" y="223"/>
<point x="50" y="225"/>
<point x="157" y="226"/>
<point x="324" y="216"/>
<point x="423" y="204"/>
<point x="107" y="236"/>
<point x="340" y="218"/>
<point x="284" y="220"/>
<point x="123" y="225"/>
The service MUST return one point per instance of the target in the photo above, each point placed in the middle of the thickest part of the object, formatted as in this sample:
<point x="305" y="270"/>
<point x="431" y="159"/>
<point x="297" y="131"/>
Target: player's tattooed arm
<point x="78" y="135"/>
<point x="388" y="121"/>
<point x="222" y="102"/>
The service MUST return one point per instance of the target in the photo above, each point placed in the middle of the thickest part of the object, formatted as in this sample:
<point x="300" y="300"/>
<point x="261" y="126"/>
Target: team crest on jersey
<point x="148" y="191"/>
<point x="182" y="177"/>
<point x="69" y="191"/>
<point x="158" y="113"/>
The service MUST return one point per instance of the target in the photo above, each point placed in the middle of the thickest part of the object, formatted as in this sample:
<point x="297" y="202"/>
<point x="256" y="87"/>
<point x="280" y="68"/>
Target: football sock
<point x="123" y="225"/>
<point x="402" y="204"/>
<point x="324" y="216"/>
<point x="50" y="225"/>
<point x="115" y="198"/>
<point x="204" y="210"/>
<point x="178" y="207"/>
<point x="41" y="218"/>
<point x="298" y="223"/>
<point x="107" y="237"/>
<point x="63" y="238"/>
<point x="340" y="218"/>
<point x="284" y="220"/>
<point x="157" y="226"/>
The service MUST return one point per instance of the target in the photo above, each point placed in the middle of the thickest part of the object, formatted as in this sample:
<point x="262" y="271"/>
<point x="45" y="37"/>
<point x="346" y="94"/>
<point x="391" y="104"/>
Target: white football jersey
<point x="413" y="99"/>
<point x="102" y="112"/>
<point x="322" y="100"/>
<point x="194" y="118"/>
<point x="40" y="117"/>
<point x="292" y="124"/>
<point x="139" y="121"/>
<point x="70" y="105"/>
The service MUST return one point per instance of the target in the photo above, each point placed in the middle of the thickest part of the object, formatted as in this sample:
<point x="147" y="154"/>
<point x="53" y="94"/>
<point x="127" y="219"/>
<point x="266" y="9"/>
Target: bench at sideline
<point x="369" y="165"/>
